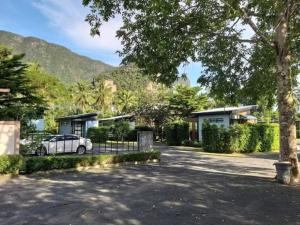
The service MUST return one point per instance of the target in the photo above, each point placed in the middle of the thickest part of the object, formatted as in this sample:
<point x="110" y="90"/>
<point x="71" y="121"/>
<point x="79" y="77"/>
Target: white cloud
<point x="68" y="16"/>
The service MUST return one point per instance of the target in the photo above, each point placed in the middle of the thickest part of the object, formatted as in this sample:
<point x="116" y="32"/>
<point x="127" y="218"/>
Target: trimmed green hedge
<point x="10" y="164"/>
<point x="98" y="134"/>
<point x="14" y="164"/>
<point x="176" y="133"/>
<point x="241" y="138"/>
<point x="34" y="164"/>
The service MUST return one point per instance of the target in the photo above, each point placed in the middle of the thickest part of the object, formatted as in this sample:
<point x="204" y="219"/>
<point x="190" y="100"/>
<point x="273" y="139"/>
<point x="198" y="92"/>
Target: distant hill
<point x="55" y="59"/>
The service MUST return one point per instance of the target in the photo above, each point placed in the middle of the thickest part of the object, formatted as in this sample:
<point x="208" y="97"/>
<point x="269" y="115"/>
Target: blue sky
<point x="62" y="22"/>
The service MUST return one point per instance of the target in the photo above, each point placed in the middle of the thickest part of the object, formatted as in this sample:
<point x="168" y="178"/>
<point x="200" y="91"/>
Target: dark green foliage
<point x="98" y="134"/>
<point x="191" y="143"/>
<point x="241" y="138"/>
<point x="143" y="128"/>
<point x="166" y="34"/>
<point x="215" y="139"/>
<point x="185" y="100"/>
<point x="22" y="102"/>
<point x="10" y="164"/>
<point x="121" y="130"/>
<point x="176" y="132"/>
<point x="132" y="134"/>
<point x="34" y="164"/>
<point x="55" y="59"/>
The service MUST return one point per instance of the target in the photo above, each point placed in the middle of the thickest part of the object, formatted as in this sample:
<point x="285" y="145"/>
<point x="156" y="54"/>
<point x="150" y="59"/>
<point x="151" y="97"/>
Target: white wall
<point x="9" y="137"/>
<point x="201" y="119"/>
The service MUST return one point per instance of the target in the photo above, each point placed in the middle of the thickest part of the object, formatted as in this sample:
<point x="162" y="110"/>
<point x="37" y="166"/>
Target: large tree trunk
<point x="288" y="141"/>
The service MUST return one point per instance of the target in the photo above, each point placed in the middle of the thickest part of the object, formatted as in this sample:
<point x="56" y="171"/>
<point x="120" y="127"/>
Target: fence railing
<point x="43" y="144"/>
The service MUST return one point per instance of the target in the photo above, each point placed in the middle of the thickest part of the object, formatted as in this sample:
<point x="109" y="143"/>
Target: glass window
<point x="71" y="137"/>
<point x="216" y="120"/>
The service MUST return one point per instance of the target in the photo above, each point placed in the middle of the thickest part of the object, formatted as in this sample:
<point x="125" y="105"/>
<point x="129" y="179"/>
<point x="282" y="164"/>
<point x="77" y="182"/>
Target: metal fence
<point x="42" y="144"/>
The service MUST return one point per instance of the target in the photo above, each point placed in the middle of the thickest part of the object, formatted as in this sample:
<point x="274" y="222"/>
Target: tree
<point x="126" y="101"/>
<point x="185" y="100"/>
<point x="22" y="102"/>
<point x="160" y="35"/>
<point x="103" y="96"/>
<point x="57" y="95"/>
<point x="82" y="96"/>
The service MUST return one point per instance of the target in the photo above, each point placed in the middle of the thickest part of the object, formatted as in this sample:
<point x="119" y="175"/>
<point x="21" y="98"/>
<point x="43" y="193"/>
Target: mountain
<point x="55" y="59"/>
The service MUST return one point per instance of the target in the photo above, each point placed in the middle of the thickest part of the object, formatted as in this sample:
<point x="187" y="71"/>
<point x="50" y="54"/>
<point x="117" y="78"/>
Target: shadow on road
<point x="185" y="189"/>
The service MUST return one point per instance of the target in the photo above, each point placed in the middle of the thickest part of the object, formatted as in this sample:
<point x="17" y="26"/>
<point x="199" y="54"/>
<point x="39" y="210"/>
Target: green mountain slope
<point x="55" y="59"/>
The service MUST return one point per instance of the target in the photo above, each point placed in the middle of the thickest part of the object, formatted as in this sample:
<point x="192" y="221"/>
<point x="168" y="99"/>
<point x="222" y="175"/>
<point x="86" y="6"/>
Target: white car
<point x="64" y="144"/>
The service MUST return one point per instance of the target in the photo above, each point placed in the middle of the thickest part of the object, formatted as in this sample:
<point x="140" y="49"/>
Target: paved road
<point x="187" y="188"/>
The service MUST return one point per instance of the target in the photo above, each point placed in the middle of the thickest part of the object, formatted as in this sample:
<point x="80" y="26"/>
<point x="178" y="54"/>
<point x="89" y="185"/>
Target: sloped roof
<point x="79" y="116"/>
<point x="116" y="117"/>
<point x="225" y="110"/>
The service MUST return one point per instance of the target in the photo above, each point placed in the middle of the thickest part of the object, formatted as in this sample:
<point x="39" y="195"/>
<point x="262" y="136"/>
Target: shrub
<point x="143" y="128"/>
<point x="191" y="143"/>
<point x="132" y="134"/>
<point x="98" y="134"/>
<point x="10" y="164"/>
<point x="240" y="138"/>
<point x="34" y="164"/>
<point x="176" y="132"/>
<point x="120" y="130"/>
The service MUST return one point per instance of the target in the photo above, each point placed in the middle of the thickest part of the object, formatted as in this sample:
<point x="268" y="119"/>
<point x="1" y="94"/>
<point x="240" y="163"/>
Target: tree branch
<point x="247" y="19"/>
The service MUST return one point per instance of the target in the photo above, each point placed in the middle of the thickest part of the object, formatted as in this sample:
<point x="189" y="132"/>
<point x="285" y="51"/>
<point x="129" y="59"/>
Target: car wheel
<point x="81" y="150"/>
<point x="41" y="151"/>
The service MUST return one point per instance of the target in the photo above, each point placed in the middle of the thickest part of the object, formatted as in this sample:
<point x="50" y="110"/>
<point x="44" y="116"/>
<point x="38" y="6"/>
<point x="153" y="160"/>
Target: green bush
<point x="241" y="138"/>
<point x="143" y="128"/>
<point x="10" y="164"/>
<point x="176" y="132"/>
<point x="191" y="143"/>
<point x="34" y="164"/>
<point x="98" y="134"/>
<point x="132" y="134"/>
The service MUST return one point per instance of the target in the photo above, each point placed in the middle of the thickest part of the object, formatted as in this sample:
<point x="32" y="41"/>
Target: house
<point x="224" y="116"/>
<point x="77" y="124"/>
<point x="130" y="118"/>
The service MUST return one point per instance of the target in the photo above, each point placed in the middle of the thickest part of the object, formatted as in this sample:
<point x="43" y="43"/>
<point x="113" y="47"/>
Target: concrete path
<point x="186" y="188"/>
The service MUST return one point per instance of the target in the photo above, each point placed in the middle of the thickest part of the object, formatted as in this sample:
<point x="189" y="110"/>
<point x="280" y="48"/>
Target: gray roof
<point x="117" y="117"/>
<point x="225" y="110"/>
<point x="79" y="116"/>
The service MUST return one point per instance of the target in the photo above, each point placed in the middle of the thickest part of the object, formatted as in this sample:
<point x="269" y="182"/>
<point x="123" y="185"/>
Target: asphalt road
<point x="186" y="188"/>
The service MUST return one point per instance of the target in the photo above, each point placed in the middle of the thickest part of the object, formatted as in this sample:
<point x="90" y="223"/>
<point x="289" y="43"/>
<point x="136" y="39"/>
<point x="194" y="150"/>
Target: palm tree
<point x="103" y="96"/>
<point x="81" y="95"/>
<point x="126" y="101"/>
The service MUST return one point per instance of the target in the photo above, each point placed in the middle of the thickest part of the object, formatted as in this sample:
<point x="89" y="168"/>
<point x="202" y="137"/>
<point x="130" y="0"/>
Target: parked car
<point x="34" y="137"/>
<point x="64" y="144"/>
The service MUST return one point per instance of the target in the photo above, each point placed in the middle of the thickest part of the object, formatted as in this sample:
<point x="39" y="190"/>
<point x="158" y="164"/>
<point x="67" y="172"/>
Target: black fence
<point x="42" y="144"/>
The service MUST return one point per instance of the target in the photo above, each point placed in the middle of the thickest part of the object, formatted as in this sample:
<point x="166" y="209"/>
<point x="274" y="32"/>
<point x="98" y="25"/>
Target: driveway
<point x="186" y="188"/>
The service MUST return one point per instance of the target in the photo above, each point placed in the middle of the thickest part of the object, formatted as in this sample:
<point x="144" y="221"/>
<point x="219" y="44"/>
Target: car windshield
<point x="48" y="138"/>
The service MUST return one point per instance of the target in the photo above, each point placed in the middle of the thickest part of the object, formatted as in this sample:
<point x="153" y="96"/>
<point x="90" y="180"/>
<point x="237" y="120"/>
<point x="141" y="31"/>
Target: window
<point x="216" y="120"/>
<point x="60" y="138"/>
<point x="71" y="137"/>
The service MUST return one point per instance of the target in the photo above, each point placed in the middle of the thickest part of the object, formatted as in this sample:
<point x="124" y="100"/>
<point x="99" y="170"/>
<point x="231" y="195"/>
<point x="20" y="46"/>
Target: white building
<point x="224" y="116"/>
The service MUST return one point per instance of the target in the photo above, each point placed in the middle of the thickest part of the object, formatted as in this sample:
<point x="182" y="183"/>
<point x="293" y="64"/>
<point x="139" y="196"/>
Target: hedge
<point x="98" y="134"/>
<point x="241" y="138"/>
<point x="176" y="133"/>
<point x="132" y="134"/>
<point x="12" y="164"/>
